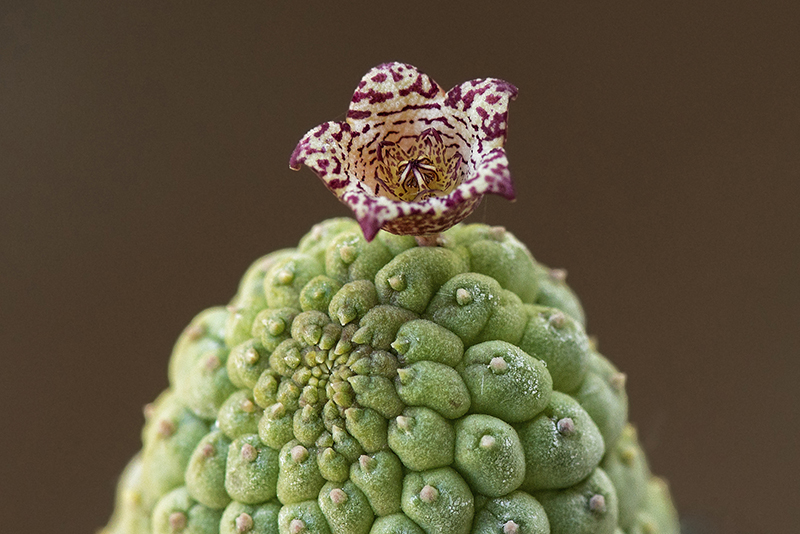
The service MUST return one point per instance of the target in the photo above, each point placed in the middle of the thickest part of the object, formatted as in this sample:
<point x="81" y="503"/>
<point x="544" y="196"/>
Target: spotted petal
<point x="410" y="158"/>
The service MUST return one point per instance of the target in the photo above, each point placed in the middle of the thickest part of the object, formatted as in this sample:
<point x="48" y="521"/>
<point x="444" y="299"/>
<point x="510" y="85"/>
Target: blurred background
<point x="655" y="148"/>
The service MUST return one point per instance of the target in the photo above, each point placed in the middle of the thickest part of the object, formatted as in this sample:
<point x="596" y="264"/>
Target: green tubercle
<point x="495" y="252"/>
<point x="413" y="277"/>
<point x="555" y="338"/>
<point x="504" y="381"/>
<point x="476" y="308"/>
<point x="626" y="466"/>
<point x="553" y="292"/>
<point x="246" y="362"/>
<point x="489" y="455"/>
<point x="299" y="478"/>
<point x="422" y="439"/>
<point x="178" y="513"/>
<point x="170" y="436"/>
<point x="589" y="507"/>
<point x="239" y="414"/>
<point x="205" y="474"/>
<point x="514" y="513"/>
<point x="350" y="257"/>
<point x="240" y="518"/>
<point x="380" y="477"/>
<point x="204" y="337"/>
<point x="378" y="328"/>
<point x="318" y="292"/>
<point x="303" y="518"/>
<point x="562" y="445"/>
<point x="433" y="385"/>
<point x="353" y="301"/>
<point x="603" y="396"/>
<point x="424" y="340"/>
<point x="439" y="501"/>
<point x="251" y="471"/>
<point x="395" y="524"/>
<point x="346" y="508"/>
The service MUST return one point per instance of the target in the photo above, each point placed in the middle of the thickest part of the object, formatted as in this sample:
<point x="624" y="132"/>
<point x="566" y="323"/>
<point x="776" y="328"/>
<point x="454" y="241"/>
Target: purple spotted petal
<point x="410" y="158"/>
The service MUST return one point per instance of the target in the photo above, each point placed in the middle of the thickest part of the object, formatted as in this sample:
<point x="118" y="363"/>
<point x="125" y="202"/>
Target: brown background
<point x="655" y="148"/>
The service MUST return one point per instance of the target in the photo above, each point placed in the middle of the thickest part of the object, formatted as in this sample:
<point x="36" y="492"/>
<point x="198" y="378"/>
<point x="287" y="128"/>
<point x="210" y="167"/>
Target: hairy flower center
<point x="417" y="173"/>
<point x="417" y="167"/>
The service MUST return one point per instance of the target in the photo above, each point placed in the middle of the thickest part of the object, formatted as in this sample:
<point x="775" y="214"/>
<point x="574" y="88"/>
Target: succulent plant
<point x="375" y="383"/>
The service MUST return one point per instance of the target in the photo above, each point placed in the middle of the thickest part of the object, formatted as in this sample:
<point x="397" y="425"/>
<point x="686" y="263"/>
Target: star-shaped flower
<point x="410" y="158"/>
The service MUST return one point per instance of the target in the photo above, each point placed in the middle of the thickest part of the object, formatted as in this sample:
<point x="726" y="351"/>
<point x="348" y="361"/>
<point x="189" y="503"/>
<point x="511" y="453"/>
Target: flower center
<point x="418" y="173"/>
<point x="417" y="167"/>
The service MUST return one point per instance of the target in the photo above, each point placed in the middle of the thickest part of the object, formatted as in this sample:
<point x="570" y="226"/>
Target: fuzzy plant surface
<point x="382" y="387"/>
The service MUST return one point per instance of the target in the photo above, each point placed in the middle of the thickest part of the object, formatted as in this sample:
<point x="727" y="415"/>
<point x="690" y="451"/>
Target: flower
<point x="410" y="158"/>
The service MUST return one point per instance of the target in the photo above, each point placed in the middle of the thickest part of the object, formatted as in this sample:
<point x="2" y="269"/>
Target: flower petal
<point x="491" y="175"/>
<point x="396" y="91"/>
<point x="484" y="103"/>
<point x="324" y="150"/>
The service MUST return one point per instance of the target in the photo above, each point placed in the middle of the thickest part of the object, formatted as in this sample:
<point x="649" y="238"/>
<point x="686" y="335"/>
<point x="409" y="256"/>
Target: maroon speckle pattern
<point x="355" y="114"/>
<point x="374" y="96"/>
<point x="397" y="113"/>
